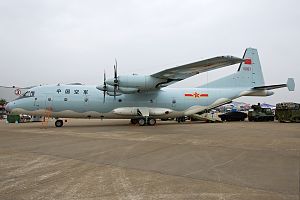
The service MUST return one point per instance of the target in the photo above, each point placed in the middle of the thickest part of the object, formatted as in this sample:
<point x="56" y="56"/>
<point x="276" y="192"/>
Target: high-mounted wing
<point x="179" y="73"/>
<point x="130" y="84"/>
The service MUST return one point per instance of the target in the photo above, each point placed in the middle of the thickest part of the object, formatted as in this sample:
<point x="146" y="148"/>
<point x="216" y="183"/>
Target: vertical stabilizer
<point x="249" y="74"/>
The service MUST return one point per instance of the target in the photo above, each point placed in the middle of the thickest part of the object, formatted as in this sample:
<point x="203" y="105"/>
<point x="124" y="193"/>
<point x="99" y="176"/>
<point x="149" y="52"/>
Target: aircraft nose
<point x="9" y="106"/>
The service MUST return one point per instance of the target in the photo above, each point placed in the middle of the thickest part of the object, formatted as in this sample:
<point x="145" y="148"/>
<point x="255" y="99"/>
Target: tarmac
<point x="112" y="159"/>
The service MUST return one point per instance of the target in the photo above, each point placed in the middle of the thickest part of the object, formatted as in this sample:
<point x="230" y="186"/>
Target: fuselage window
<point x="65" y="99"/>
<point x="49" y="99"/>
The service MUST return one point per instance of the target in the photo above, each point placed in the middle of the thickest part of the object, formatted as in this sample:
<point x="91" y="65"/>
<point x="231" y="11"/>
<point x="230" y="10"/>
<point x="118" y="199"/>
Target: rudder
<point x="250" y="70"/>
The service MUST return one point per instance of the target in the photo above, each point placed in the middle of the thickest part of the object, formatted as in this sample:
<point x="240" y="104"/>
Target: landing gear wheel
<point x="151" y="122"/>
<point x="134" y="121"/>
<point x="59" y="123"/>
<point x="142" y="122"/>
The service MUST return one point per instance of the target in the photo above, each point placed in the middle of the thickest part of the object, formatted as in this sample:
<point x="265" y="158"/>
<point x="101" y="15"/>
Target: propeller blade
<point x="116" y="81"/>
<point x="115" y="72"/>
<point x="104" y="92"/>
<point x="104" y="86"/>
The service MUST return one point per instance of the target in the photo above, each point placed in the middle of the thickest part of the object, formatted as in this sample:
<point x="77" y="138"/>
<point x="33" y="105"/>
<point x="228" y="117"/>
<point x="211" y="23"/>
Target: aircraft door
<point x="39" y="102"/>
<point x="49" y="103"/>
<point x="174" y="102"/>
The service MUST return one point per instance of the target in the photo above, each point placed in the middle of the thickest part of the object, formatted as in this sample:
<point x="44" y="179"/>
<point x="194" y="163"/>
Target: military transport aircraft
<point x="145" y="98"/>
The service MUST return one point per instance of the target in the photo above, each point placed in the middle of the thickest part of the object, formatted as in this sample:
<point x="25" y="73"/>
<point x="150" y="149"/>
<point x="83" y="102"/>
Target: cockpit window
<point x="26" y="95"/>
<point x="29" y="94"/>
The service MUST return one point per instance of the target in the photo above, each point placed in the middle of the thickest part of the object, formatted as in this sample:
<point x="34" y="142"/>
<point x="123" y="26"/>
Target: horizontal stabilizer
<point x="290" y="85"/>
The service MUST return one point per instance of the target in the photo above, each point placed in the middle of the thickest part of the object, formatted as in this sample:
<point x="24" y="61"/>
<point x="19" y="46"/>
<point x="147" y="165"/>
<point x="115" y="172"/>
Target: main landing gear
<point x="144" y="121"/>
<point x="181" y="119"/>
<point x="59" y="123"/>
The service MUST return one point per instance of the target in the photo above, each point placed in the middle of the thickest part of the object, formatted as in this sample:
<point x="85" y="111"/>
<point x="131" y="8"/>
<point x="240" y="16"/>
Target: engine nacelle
<point x="122" y="90"/>
<point x="134" y="81"/>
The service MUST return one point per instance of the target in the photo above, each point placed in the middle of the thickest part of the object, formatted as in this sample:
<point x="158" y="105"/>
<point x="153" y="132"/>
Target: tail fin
<point x="249" y="74"/>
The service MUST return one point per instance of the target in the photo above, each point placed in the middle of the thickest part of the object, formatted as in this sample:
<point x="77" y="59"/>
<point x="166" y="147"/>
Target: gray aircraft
<point x="145" y="98"/>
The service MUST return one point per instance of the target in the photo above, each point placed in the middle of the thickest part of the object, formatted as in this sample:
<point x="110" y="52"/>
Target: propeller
<point x="104" y="86"/>
<point x="116" y="81"/>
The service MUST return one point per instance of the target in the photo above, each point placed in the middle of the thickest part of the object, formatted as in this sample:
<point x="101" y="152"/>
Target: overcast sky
<point x="56" y="41"/>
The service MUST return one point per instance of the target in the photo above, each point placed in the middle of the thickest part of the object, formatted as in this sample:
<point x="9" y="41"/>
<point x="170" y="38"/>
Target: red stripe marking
<point x="203" y="95"/>
<point x="188" y="95"/>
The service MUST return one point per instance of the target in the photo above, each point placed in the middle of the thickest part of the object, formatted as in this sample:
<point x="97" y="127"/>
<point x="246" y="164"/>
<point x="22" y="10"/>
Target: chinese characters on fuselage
<point x="76" y="91"/>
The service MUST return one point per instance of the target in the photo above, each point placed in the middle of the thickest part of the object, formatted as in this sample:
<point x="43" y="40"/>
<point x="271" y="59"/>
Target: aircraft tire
<point x="142" y="122"/>
<point x="151" y="122"/>
<point x="59" y="123"/>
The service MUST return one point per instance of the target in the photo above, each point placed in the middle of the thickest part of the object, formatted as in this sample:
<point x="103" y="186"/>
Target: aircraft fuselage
<point x="83" y="101"/>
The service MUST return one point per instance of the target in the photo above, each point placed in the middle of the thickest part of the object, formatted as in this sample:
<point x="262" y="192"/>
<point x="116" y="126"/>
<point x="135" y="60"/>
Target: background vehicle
<point x="25" y="118"/>
<point x="259" y="114"/>
<point x="2" y="111"/>
<point x="288" y="112"/>
<point x="13" y="118"/>
<point x="233" y="116"/>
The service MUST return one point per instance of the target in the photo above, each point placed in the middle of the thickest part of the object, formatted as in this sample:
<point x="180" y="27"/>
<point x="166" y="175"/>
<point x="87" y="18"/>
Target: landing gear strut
<point x="134" y="121"/>
<point x="59" y="123"/>
<point x="181" y="119"/>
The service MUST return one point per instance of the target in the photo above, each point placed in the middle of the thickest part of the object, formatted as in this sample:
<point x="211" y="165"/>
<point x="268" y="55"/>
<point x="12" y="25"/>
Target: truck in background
<point x="259" y="114"/>
<point x="287" y="112"/>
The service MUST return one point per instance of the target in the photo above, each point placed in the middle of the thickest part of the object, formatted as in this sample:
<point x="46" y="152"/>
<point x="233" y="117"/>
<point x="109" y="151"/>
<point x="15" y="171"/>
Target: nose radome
<point x="7" y="107"/>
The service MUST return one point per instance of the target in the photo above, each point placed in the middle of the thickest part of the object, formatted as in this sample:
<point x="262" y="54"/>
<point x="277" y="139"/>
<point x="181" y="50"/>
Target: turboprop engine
<point x="128" y="84"/>
<point x="134" y="83"/>
<point x="123" y="90"/>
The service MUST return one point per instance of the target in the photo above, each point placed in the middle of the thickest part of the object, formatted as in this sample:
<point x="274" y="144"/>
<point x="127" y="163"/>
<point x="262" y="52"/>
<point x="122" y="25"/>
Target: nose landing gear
<point x="59" y="123"/>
